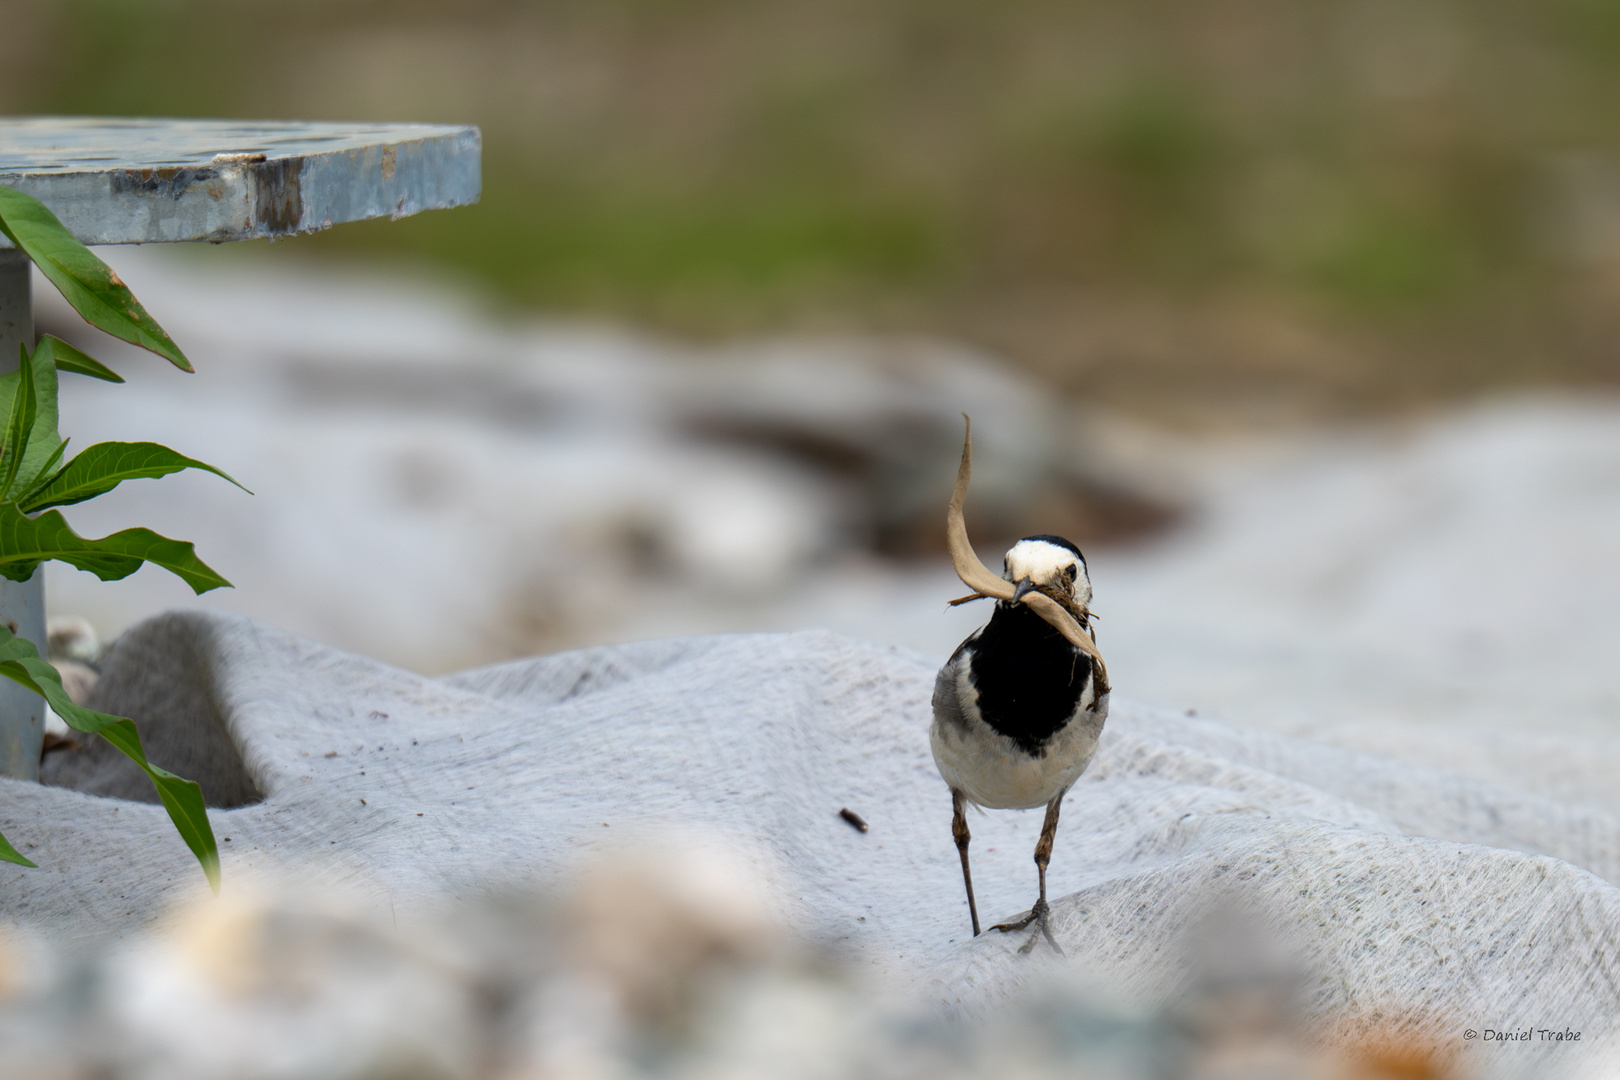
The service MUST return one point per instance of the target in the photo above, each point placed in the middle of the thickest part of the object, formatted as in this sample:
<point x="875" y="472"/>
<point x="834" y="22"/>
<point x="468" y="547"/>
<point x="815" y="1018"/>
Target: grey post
<point x="133" y="181"/>
<point x="22" y="604"/>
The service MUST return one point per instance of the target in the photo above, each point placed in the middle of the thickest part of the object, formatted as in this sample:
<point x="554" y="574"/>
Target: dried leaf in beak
<point x="983" y="581"/>
<point x="974" y="574"/>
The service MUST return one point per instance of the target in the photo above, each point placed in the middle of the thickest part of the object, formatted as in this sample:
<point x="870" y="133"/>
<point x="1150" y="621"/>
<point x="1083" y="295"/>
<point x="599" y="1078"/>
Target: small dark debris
<point x="378" y="715"/>
<point x="12" y="626"/>
<point x="330" y="753"/>
<point x="1192" y="712"/>
<point x="227" y="839"/>
<point x="419" y="813"/>
<point x="362" y="802"/>
<point x="854" y="819"/>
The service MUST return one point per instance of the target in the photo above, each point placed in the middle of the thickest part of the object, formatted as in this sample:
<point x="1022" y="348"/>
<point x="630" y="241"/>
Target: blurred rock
<point x="888" y="416"/>
<point x="655" y="924"/>
<point x="72" y="637"/>
<point x="79" y="680"/>
<point x="73" y="648"/>
<point x="298" y="984"/>
<point x="1438" y="591"/>
<point x="651" y="962"/>
<point x="538" y="487"/>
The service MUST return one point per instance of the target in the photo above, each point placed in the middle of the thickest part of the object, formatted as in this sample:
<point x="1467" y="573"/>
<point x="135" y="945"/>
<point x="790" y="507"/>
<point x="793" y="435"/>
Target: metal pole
<point x="22" y="606"/>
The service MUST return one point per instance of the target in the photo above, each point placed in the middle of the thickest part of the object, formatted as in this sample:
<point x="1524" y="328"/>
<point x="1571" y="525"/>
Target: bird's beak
<point x="1023" y="587"/>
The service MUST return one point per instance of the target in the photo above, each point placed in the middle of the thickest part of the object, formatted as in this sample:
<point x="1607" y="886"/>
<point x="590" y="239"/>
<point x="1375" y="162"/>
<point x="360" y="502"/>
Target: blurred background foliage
<point x="1205" y="211"/>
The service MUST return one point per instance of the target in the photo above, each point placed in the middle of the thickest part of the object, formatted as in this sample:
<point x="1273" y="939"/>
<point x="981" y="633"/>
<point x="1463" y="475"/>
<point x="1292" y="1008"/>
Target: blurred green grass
<point x="1200" y="209"/>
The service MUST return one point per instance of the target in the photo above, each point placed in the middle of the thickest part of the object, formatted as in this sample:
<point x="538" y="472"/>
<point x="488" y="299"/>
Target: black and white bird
<point x="1020" y="705"/>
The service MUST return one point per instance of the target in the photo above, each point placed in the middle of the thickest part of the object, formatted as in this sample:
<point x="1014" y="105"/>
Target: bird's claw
<point x="1037" y="915"/>
<point x="1035" y="912"/>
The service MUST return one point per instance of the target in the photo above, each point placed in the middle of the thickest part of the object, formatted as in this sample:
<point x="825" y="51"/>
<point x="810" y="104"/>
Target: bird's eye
<point x="1074" y="571"/>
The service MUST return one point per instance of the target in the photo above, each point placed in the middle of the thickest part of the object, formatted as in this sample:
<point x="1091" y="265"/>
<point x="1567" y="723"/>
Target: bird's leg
<point x="1043" y="855"/>
<point x="959" y="830"/>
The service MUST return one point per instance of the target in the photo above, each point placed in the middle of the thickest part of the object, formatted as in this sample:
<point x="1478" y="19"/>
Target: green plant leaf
<point x="43" y="444"/>
<point x="11" y="854"/>
<point x="86" y="282"/>
<point x="26" y="542"/>
<point x="19" y="423"/>
<point x="71" y="358"/>
<point x="104" y="466"/>
<point x="47" y="473"/>
<point x="183" y="799"/>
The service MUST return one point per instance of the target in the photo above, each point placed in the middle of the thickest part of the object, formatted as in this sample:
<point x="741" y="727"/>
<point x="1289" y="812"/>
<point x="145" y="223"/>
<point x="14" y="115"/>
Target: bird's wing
<point x="947" y="699"/>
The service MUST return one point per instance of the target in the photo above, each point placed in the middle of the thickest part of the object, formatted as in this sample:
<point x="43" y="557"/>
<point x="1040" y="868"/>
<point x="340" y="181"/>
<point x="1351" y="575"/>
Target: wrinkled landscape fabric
<point x="1400" y="895"/>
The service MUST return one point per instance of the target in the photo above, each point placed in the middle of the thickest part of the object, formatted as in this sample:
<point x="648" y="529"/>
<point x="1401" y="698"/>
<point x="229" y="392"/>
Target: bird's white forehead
<point x="1039" y="560"/>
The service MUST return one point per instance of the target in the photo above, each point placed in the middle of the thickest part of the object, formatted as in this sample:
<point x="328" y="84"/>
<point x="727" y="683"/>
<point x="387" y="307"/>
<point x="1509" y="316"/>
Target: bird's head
<point x="1052" y="565"/>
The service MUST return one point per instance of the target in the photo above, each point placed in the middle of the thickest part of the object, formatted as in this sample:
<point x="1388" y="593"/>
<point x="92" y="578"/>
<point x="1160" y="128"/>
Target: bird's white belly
<point x="994" y="772"/>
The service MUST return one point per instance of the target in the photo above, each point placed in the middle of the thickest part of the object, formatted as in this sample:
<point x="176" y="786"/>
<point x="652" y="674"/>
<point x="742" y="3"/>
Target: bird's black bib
<point x="1028" y="677"/>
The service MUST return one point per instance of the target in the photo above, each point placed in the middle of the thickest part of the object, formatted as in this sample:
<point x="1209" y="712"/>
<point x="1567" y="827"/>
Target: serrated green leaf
<point x="104" y="466"/>
<point x="26" y="542"/>
<point x="11" y="854"/>
<point x="70" y="358"/>
<point x="183" y="799"/>
<point x="86" y="282"/>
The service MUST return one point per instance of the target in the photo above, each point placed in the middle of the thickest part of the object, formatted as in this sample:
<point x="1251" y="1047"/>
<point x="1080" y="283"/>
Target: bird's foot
<point x="1037" y="912"/>
<point x="1037" y="915"/>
